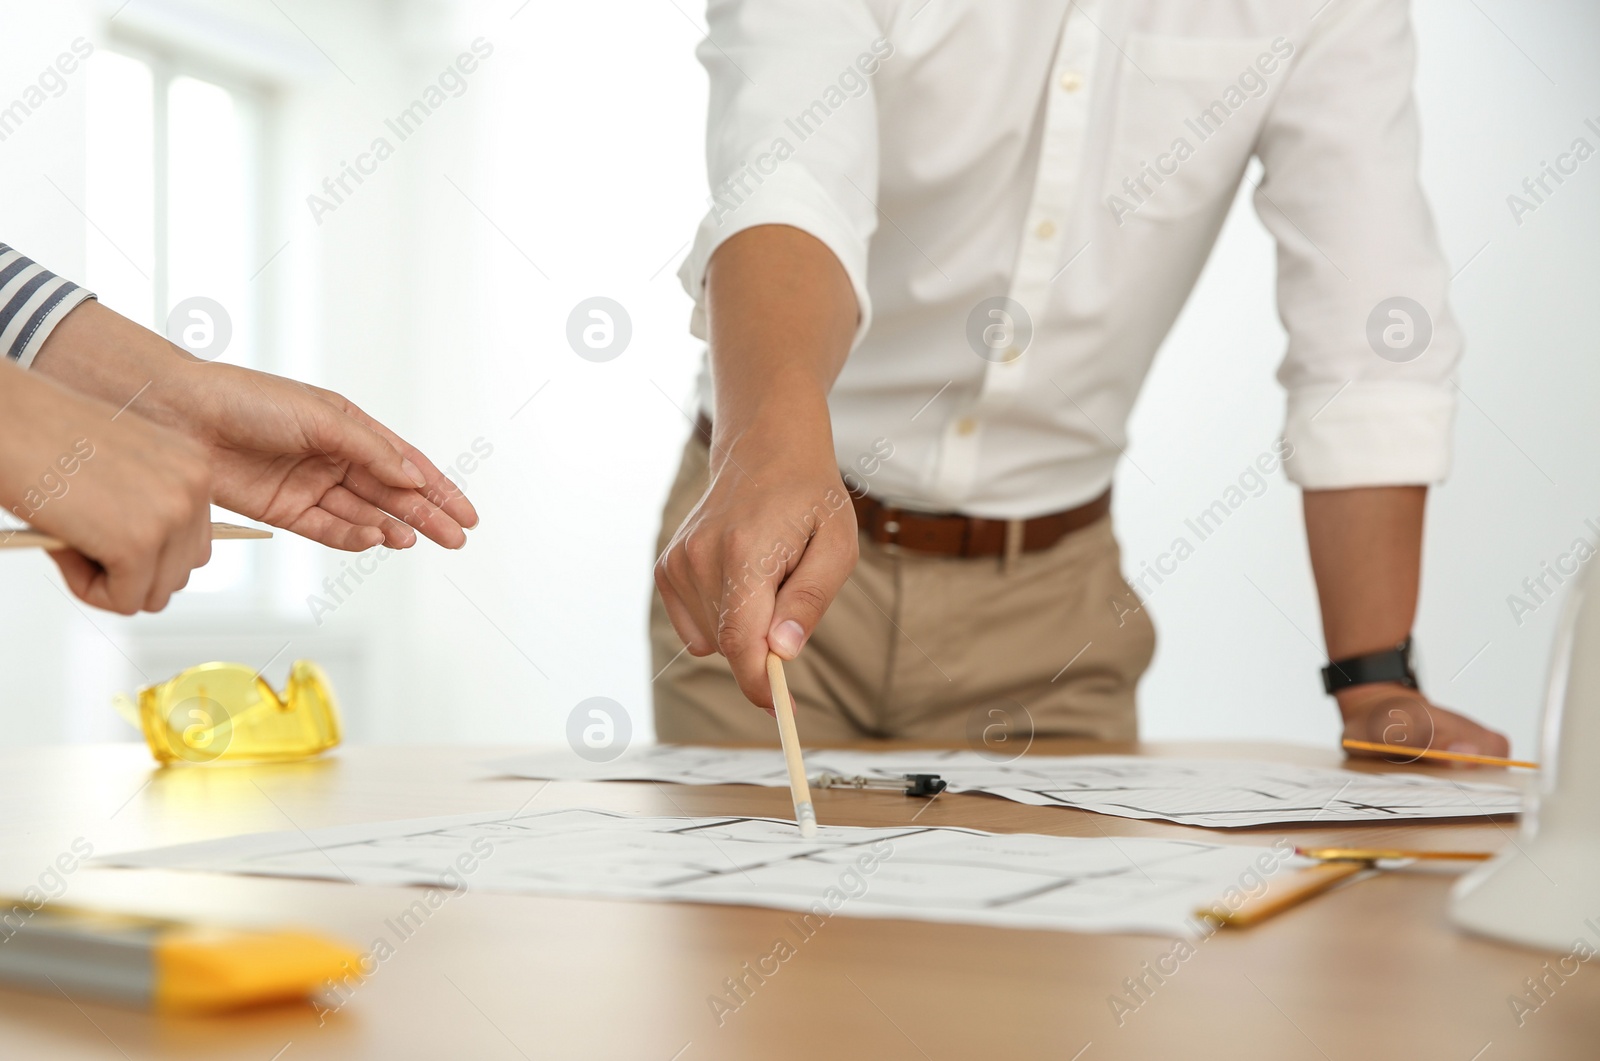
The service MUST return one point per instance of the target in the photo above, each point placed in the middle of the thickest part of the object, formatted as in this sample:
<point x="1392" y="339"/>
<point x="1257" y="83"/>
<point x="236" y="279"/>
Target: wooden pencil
<point x="1283" y="892"/>
<point x="805" y="814"/>
<point x="32" y="539"/>
<point x="1374" y="854"/>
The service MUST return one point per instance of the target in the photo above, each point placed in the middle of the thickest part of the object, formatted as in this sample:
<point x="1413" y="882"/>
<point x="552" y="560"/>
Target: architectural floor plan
<point x="1217" y="793"/>
<point x="1100" y="884"/>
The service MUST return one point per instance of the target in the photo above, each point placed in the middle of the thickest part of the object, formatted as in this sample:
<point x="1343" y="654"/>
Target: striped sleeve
<point x="33" y="300"/>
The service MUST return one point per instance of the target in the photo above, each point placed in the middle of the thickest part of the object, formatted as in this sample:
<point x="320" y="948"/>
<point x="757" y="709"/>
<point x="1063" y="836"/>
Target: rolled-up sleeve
<point x="33" y="300"/>
<point x="792" y="132"/>
<point x="1362" y="284"/>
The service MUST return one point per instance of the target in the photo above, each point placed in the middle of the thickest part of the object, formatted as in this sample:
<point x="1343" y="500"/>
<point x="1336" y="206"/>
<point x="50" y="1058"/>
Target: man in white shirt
<point x="945" y="240"/>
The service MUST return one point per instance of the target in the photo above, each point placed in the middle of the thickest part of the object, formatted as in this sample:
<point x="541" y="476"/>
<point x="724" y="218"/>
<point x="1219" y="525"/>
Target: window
<point x="176" y="208"/>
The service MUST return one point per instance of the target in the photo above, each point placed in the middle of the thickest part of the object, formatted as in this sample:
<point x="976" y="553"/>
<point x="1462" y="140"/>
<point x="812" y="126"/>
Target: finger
<point x="186" y="548"/>
<point x="1496" y="744"/>
<point x="438" y="487"/>
<point x="100" y="594"/>
<point x="442" y="490"/>
<point x="77" y="571"/>
<point x="682" y="619"/>
<point x="126" y="584"/>
<point x="827" y="561"/>
<point x="171" y="575"/>
<point x="89" y="581"/>
<point x="397" y="535"/>
<point x="743" y="616"/>
<point x="343" y="504"/>
<point x="409" y="506"/>
<point x="691" y="571"/>
<point x="1473" y="739"/>
<point x="323" y="526"/>
<point x="343" y="436"/>
<point x="451" y="498"/>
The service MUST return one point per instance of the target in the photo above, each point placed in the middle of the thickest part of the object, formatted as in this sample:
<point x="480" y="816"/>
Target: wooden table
<point x="1373" y="970"/>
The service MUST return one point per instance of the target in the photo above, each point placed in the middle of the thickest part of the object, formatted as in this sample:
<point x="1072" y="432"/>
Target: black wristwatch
<point x="1390" y="665"/>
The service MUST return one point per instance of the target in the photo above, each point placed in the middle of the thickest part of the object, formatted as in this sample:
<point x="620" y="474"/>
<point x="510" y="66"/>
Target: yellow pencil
<point x="1284" y="892"/>
<point x="1434" y="753"/>
<point x="1374" y="854"/>
<point x="1336" y="864"/>
<point x="804" y="814"/>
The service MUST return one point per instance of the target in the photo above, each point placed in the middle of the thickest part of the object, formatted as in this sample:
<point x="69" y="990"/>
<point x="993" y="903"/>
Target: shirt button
<point x="1045" y="229"/>
<point x="1071" y="81"/>
<point x="966" y="425"/>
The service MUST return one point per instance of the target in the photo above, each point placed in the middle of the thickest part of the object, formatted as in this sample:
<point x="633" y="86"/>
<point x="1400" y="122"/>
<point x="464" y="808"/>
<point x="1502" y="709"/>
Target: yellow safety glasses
<point x="228" y="711"/>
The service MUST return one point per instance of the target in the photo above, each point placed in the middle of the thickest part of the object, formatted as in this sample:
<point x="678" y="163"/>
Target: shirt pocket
<point x="1187" y="112"/>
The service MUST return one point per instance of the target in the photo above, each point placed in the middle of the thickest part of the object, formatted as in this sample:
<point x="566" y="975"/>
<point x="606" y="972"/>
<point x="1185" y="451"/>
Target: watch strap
<point x="1390" y="665"/>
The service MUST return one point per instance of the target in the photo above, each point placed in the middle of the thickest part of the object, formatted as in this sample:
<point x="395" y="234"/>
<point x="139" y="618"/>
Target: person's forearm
<point x="98" y="352"/>
<point x="755" y="564"/>
<point x="781" y="315"/>
<point x="24" y="406"/>
<point x="1366" y="554"/>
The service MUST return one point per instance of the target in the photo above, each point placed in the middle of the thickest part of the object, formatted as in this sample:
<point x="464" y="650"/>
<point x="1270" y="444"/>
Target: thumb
<point x="829" y="558"/>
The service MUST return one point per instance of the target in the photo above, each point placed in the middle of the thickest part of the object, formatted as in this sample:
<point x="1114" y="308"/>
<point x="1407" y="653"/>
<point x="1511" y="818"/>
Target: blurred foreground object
<point x="169" y="966"/>
<point x="228" y="711"/>
<point x="1544" y="889"/>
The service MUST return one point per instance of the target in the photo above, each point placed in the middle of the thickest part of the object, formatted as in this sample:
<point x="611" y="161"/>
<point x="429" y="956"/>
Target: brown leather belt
<point x="952" y="534"/>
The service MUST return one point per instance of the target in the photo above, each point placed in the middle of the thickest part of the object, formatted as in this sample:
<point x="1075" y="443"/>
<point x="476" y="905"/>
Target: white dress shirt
<point x="1078" y="160"/>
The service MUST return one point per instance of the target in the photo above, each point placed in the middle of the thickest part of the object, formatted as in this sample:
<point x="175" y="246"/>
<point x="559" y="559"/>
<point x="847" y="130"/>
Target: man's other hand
<point x="1387" y="713"/>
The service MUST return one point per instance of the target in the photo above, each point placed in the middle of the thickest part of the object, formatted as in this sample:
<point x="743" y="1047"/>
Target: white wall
<point x="577" y="153"/>
<point x="43" y="636"/>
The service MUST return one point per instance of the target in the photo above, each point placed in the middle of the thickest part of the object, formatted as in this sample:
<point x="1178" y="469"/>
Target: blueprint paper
<point x="1098" y="884"/>
<point x="1216" y="793"/>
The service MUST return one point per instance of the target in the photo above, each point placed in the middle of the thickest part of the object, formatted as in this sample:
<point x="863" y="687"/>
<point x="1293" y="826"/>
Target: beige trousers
<point x="931" y="647"/>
